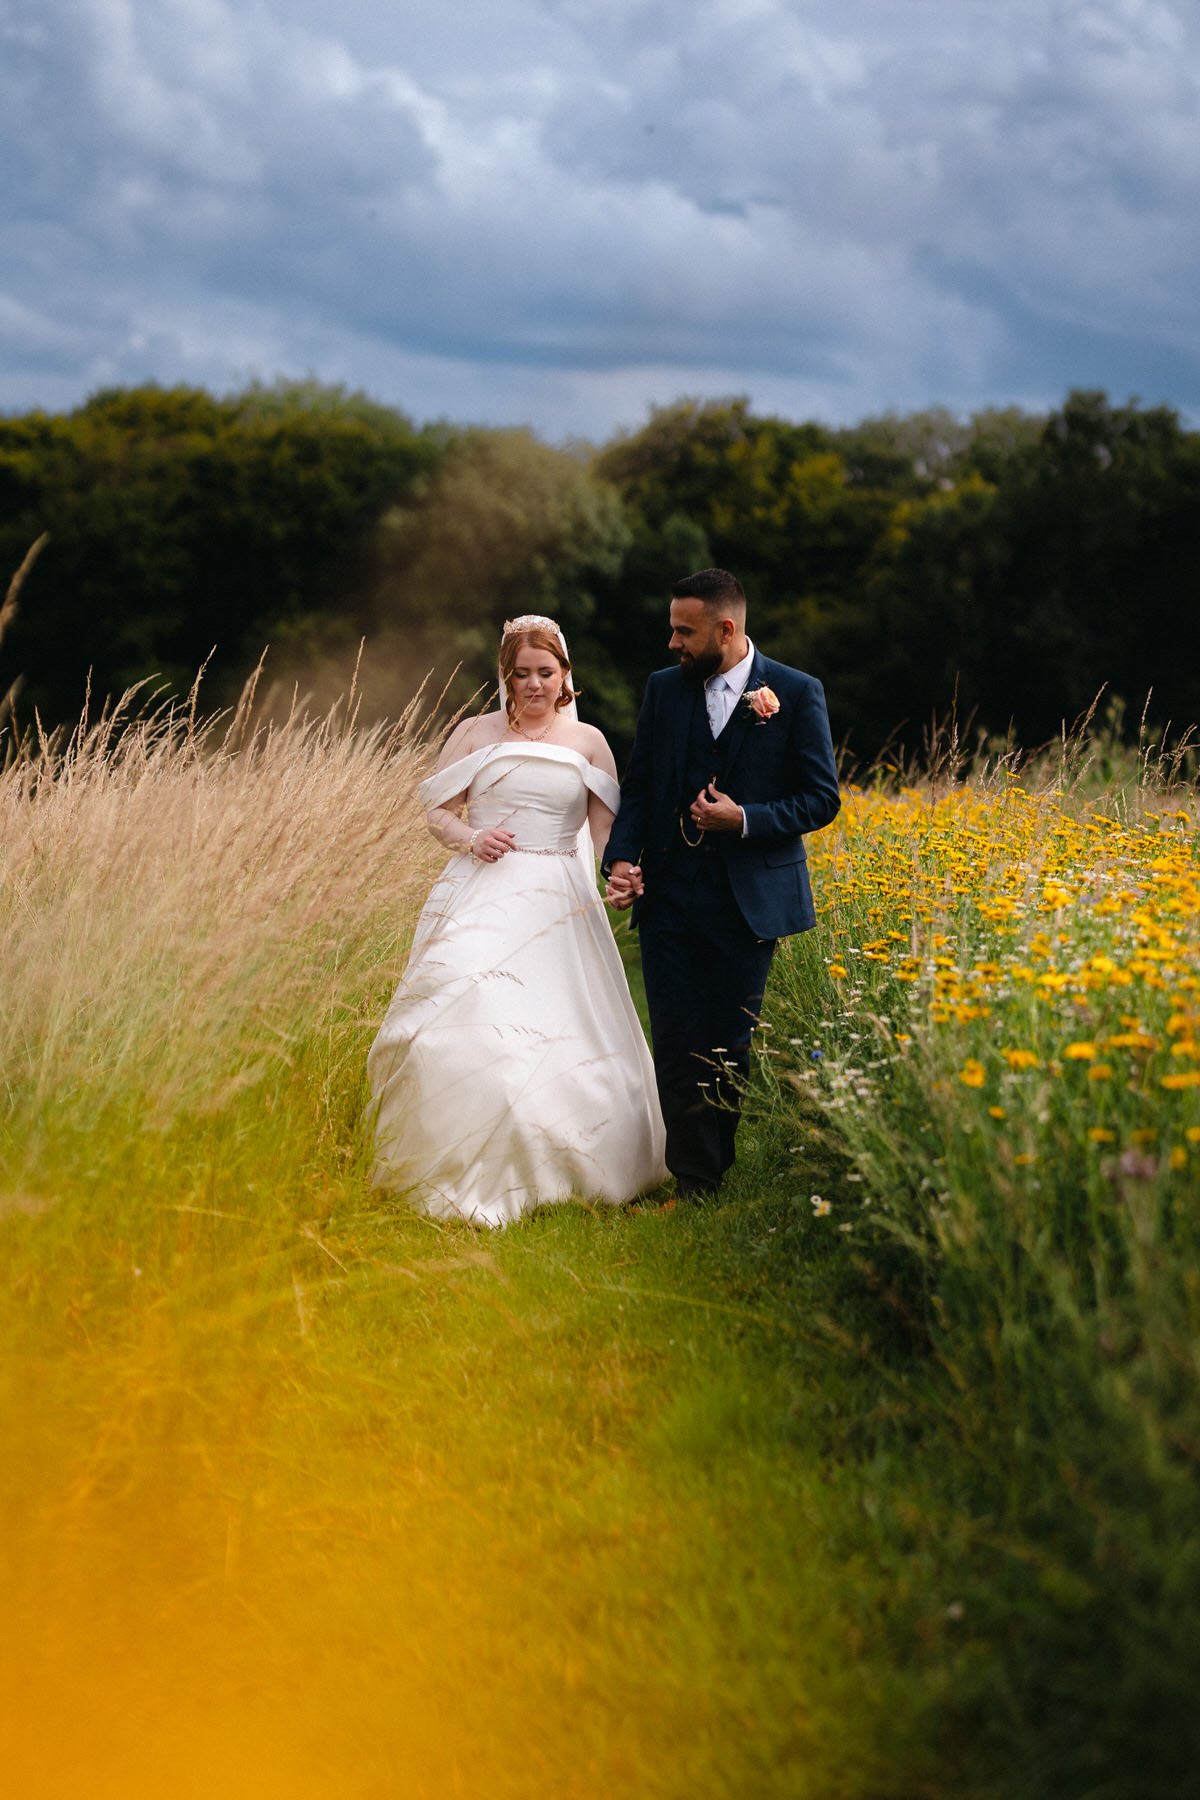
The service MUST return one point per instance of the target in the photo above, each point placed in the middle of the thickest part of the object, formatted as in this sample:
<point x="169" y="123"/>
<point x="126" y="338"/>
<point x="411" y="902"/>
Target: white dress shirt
<point x="722" y="692"/>
<point x="721" y="695"/>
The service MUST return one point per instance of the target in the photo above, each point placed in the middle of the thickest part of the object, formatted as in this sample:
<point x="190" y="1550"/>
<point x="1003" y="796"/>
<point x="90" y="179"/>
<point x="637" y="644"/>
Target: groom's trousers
<point x="705" y="973"/>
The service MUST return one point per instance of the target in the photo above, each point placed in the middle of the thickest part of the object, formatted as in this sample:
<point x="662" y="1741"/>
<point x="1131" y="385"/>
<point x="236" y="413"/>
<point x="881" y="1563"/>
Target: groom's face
<point x="697" y="638"/>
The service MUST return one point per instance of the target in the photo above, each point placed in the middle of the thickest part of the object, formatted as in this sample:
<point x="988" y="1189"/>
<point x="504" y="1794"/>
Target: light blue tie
<point x="716" y="704"/>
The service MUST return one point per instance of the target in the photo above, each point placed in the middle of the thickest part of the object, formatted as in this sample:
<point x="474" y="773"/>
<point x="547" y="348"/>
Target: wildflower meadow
<point x="995" y="1034"/>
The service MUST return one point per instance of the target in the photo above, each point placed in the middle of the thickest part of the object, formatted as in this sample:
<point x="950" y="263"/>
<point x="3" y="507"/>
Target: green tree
<point x="741" y="480"/>
<point x="1050" y="558"/>
<point x="1008" y="564"/>
<point x="183" y="525"/>
<point x="506" y="525"/>
<point x="779" y="504"/>
<point x="1094" y="575"/>
<point x="903" y="646"/>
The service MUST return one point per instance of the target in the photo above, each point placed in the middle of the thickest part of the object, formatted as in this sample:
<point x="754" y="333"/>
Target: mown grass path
<point x="347" y="1504"/>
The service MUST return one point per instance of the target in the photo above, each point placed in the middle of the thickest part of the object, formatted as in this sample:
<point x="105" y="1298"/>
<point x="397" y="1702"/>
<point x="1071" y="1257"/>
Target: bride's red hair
<point x="535" y="639"/>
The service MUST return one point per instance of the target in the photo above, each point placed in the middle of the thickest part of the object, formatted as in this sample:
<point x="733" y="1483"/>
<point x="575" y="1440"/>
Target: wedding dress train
<point x="511" y="1069"/>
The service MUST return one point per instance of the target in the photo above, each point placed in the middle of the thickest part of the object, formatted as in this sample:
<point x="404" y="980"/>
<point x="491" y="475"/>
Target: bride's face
<point x="535" y="683"/>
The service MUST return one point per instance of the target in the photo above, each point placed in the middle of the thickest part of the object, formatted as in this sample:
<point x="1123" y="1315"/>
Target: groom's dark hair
<point x="720" y="592"/>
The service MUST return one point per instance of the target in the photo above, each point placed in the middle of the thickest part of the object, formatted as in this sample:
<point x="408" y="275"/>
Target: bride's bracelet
<point x="470" y="844"/>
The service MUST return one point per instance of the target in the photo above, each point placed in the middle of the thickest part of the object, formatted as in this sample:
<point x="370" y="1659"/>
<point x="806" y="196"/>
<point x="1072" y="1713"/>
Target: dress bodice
<point x="543" y="803"/>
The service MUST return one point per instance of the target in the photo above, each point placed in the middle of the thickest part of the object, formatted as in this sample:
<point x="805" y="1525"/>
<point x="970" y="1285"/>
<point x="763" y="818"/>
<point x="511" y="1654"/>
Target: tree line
<point x="1008" y="566"/>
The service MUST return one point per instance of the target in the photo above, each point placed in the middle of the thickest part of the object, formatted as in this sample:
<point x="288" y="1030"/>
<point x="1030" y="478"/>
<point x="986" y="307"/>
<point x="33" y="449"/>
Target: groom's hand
<point x="624" y="885"/>
<point x="714" y="811"/>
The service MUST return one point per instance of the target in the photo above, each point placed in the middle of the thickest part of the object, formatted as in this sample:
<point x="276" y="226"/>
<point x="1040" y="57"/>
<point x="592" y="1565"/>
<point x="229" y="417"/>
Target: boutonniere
<point x="763" y="702"/>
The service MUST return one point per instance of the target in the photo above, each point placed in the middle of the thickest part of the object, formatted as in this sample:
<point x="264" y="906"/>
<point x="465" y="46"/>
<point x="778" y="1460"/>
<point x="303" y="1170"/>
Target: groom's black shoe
<point x="693" y="1190"/>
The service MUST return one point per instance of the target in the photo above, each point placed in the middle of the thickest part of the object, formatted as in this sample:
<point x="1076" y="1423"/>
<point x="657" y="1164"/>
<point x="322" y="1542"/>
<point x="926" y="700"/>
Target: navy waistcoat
<point x="705" y="758"/>
<point x="704" y="762"/>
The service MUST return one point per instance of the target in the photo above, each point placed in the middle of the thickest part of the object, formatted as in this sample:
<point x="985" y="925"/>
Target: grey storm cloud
<point x="558" y="209"/>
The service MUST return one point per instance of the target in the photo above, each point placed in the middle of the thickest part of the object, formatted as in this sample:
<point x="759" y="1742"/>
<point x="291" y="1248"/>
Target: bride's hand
<point x="490" y="846"/>
<point x="625" y="885"/>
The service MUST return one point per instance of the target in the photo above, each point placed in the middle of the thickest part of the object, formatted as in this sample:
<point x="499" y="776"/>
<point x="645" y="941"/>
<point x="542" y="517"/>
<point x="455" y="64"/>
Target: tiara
<point x="533" y="622"/>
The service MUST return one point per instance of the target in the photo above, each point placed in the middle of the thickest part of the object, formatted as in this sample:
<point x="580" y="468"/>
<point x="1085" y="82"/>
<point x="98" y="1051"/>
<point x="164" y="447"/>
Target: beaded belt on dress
<point x="522" y="851"/>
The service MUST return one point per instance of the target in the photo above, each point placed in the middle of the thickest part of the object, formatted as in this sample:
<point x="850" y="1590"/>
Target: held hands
<point x="490" y="846"/>
<point x="711" y="811"/>
<point x="624" y="886"/>
<point x="714" y="811"/>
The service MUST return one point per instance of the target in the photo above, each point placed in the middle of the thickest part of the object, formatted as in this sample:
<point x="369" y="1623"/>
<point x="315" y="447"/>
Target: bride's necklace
<point x="533" y="737"/>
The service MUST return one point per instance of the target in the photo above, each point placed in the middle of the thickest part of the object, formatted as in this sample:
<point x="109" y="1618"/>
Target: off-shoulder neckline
<point x="500" y="747"/>
<point x="457" y="777"/>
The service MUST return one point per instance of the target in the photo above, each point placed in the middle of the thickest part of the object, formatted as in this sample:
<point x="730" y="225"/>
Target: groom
<point x="731" y="765"/>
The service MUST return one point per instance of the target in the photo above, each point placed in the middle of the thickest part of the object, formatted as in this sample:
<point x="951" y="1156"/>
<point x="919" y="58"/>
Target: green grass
<point x="328" y="1500"/>
<point x="304" y="1495"/>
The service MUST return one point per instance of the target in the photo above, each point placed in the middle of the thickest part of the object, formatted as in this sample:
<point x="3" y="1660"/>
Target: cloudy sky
<point x="557" y="211"/>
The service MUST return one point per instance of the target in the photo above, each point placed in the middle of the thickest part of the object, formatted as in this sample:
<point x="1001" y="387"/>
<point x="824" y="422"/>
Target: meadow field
<point x="874" y="1479"/>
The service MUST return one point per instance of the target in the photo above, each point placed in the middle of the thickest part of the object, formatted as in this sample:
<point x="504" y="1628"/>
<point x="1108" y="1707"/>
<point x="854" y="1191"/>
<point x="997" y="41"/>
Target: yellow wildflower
<point x="1020" y="1059"/>
<point x="972" y="1074"/>
<point x="1100" y="1072"/>
<point x="1185" y="1079"/>
<point x="1100" y="1134"/>
<point x="1079" y="1052"/>
<point x="1178" y="1158"/>
<point x="997" y="1112"/>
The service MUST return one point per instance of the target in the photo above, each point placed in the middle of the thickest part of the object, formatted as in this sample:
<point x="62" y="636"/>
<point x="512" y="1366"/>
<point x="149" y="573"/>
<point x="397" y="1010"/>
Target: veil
<point x="539" y="622"/>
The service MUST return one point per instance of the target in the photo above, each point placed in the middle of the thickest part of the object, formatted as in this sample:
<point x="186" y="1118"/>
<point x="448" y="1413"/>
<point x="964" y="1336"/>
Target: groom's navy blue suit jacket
<point x="780" y="771"/>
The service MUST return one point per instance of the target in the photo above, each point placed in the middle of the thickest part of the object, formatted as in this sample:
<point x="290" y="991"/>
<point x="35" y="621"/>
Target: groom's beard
<point x="697" y="669"/>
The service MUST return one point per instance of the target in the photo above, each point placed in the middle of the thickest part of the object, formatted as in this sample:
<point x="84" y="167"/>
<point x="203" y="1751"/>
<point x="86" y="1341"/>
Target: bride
<point x="511" y="1069"/>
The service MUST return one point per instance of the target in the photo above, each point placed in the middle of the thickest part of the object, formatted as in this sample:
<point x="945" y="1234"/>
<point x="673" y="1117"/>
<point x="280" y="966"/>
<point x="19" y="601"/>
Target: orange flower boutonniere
<point x="764" y="702"/>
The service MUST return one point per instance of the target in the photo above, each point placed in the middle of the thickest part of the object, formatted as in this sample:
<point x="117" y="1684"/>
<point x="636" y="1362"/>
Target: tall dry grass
<point x="201" y="922"/>
<point x="184" y="903"/>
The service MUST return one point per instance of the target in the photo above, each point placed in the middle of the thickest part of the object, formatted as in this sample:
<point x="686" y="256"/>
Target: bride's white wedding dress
<point x="511" y="1069"/>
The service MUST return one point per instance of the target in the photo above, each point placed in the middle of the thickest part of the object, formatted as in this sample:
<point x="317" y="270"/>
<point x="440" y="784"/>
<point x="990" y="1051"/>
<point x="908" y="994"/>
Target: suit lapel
<point x="741" y="719"/>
